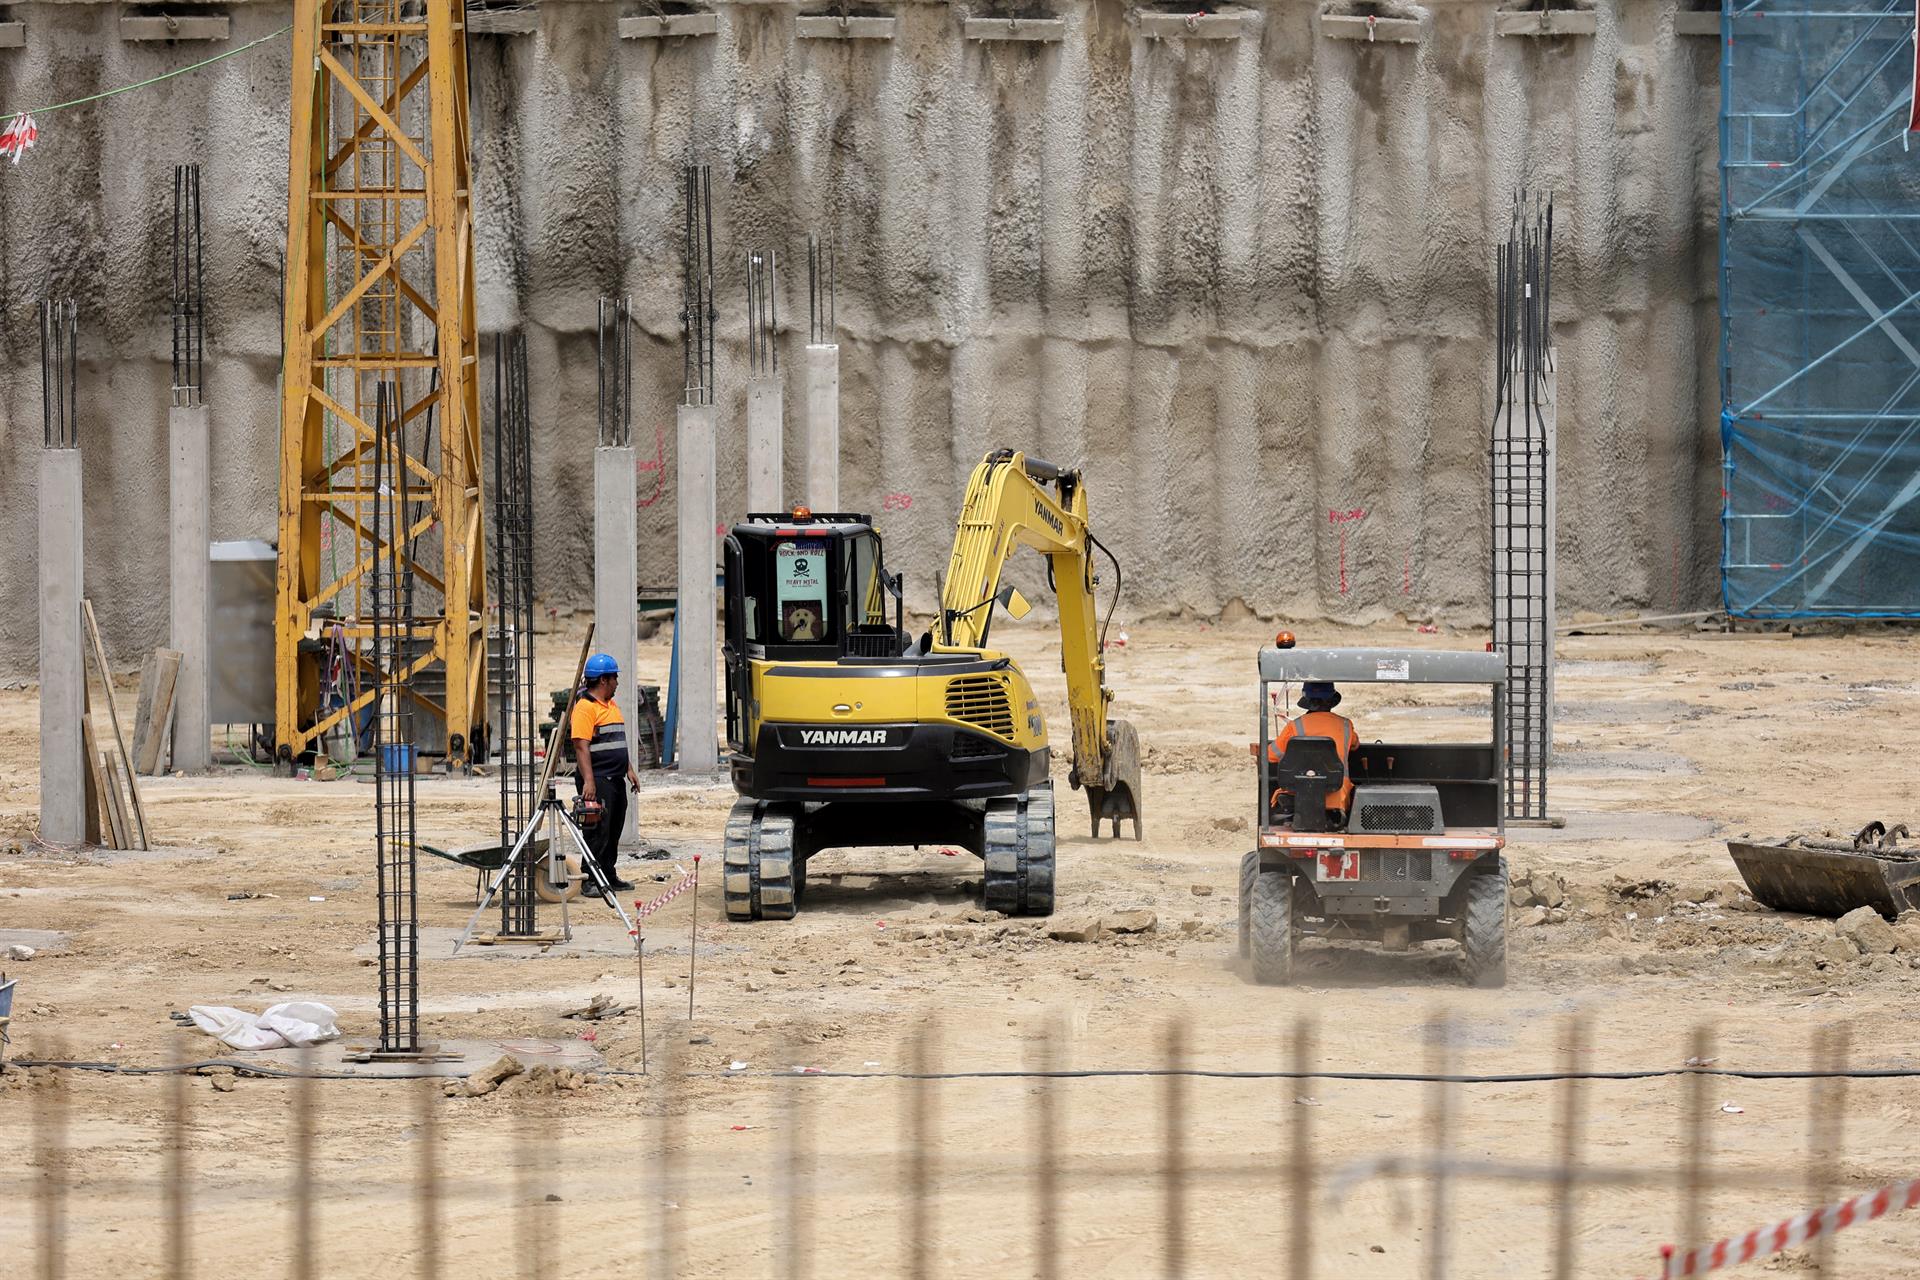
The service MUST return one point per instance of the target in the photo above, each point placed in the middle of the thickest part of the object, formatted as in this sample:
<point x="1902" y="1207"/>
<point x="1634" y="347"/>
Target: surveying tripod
<point x="554" y="816"/>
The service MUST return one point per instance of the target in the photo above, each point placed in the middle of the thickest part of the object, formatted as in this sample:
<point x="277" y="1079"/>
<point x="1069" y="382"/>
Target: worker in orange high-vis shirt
<point x="605" y="765"/>
<point x="1318" y="698"/>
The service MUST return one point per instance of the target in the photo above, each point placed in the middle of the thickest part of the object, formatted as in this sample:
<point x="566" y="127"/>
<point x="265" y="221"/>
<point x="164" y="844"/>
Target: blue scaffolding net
<point x="1819" y="285"/>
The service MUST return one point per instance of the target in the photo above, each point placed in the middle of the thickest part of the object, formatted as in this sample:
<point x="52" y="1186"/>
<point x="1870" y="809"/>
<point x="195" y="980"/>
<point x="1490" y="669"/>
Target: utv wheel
<point x="1019" y="854"/>
<point x="1270" y="928"/>
<point x="1483" y="928"/>
<point x="1249" y="871"/>
<point x="760" y="869"/>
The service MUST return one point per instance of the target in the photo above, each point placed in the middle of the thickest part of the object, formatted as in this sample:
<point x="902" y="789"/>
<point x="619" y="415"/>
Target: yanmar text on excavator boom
<point x="844" y="730"/>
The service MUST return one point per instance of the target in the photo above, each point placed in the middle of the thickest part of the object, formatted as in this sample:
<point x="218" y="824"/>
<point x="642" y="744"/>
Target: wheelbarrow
<point x="1832" y="877"/>
<point x="487" y="859"/>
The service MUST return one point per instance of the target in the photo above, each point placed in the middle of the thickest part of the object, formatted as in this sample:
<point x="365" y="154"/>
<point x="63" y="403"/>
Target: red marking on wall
<point x="1340" y="520"/>
<point x="896" y="502"/>
<point x="1406" y="574"/>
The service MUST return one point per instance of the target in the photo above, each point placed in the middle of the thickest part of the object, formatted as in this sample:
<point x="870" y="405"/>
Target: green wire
<point x="166" y="75"/>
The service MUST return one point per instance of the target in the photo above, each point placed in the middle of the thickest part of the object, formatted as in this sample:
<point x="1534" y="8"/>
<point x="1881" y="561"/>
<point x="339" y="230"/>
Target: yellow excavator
<point x="844" y="730"/>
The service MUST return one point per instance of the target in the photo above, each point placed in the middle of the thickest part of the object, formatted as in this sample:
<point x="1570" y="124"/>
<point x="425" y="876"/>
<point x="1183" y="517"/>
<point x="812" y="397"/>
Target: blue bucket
<point x="397" y="757"/>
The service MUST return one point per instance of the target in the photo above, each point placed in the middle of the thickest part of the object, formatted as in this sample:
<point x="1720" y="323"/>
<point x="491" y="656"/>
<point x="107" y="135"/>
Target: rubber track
<point x="758" y="860"/>
<point x="1019" y="854"/>
<point x="1271" y="932"/>
<point x="1483" y="934"/>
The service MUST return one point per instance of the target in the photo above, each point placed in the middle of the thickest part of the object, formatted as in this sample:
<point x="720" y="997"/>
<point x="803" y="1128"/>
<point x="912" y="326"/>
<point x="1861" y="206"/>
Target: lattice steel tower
<point x="379" y="288"/>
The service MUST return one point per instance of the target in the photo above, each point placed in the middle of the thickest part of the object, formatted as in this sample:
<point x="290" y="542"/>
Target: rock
<point x="1201" y="890"/>
<point x="20" y="951"/>
<point x="1136" y="921"/>
<point x="454" y="1088"/>
<point x="221" y="1084"/>
<point x="1906" y="936"/>
<point x="1868" y="930"/>
<point x="755" y="988"/>
<point x="1883" y="963"/>
<point x="1834" y="952"/>
<point x="487" y="1079"/>
<point x="1531" y="918"/>
<point x="1557" y="915"/>
<point x="1081" y="929"/>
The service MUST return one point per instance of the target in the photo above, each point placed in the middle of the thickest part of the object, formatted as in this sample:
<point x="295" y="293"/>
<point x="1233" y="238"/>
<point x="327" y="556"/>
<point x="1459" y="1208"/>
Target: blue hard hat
<point x="1319" y="691"/>
<point x="602" y="664"/>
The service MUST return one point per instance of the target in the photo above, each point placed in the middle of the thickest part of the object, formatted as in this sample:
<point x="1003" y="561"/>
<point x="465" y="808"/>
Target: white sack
<point x="283" y="1026"/>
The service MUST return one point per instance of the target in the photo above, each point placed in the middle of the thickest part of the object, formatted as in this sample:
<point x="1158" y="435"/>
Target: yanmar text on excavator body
<point x="845" y="730"/>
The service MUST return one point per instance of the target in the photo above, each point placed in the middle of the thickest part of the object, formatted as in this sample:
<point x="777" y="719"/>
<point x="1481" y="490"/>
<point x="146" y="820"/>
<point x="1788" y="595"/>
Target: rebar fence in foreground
<point x="1280" y="1185"/>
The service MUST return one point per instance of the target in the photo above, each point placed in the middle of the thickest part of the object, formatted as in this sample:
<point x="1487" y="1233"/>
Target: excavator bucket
<point x="1118" y="796"/>
<point x="1832" y="877"/>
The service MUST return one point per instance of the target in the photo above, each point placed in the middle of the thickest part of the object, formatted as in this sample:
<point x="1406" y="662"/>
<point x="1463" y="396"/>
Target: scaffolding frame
<point x="1819" y="281"/>
<point x="380" y="290"/>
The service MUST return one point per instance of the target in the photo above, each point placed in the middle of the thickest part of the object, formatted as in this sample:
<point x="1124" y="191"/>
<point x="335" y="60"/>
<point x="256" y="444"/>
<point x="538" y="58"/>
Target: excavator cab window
<point x="801" y="570"/>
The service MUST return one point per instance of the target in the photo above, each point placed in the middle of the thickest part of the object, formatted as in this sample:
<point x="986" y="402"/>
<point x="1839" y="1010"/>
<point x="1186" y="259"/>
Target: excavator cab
<point x="804" y="588"/>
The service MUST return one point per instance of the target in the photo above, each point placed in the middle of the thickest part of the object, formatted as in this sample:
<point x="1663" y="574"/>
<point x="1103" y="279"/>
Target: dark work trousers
<point x="604" y="838"/>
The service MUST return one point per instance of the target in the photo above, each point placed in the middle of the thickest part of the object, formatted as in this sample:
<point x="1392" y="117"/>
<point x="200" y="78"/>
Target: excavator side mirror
<point x="1014" y="603"/>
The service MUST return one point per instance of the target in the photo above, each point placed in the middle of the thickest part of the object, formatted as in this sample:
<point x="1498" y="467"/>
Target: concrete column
<point x="766" y="489"/>
<point x="63" y="767"/>
<point x="616" y="594"/>
<point x="823" y="426"/>
<point x="190" y="532"/>
<point x="698" y="727"/>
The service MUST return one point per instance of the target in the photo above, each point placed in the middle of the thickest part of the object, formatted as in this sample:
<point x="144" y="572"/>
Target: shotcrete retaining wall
<point x="1245" y="282"/>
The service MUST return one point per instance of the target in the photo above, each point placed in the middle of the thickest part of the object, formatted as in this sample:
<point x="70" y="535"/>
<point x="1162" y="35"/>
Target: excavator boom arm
<point x="1011" y="501"/>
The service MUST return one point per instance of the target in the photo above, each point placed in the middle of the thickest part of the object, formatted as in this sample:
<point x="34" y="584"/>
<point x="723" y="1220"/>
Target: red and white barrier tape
<point x="1795" y="1230"/>
<point x="641" y="910"/>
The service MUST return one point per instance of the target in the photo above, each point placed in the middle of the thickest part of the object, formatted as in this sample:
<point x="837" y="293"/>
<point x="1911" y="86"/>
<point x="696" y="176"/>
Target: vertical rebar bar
<point x="820" y="291"/>
<point x="614" y="366"/>
<point x="1565" y="1217"/>
<point x="189" y="287"/>
<point x="1046" y="1131"/>
<point x="427" y="1183"/>
<point x="395" y="819"/>
<point x="1300" y="1159"/>
<point x="1518" y="482"/>
<point x="530" y="1219"/>
<point x="918" y="1123"/>
<point x="514" y="748"/>
<point x="50" y="1142"/>
<point x="1439" y="1142"/>
<point x="665" y="1258"/>
<point x="699" y="311"/>
<point x="303" y="1187"/>
<point x="1826" y="1132"/>
<point x="1173" y="1149"/>
<point x="59" y="320"/>
<point x="795" y="1209"/>
<point x="1694" y="1155"/>
<point x="179" y="1214"/>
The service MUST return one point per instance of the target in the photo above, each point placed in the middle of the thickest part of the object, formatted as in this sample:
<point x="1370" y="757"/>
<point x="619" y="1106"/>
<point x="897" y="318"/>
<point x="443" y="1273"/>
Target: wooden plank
<point x="116" y="802"/>
<point x="99" y="651"/>
<point x="153" y="717"/>
<point x="95" y="781"/>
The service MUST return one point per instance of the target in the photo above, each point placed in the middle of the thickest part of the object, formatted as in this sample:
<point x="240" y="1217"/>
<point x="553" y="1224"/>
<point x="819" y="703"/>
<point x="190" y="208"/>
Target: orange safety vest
<point x="1322" y="724"/>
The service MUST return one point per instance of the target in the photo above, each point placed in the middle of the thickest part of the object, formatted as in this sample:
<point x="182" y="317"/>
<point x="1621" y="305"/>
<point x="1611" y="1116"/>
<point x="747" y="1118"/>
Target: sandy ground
<point x="1671" y="743"/>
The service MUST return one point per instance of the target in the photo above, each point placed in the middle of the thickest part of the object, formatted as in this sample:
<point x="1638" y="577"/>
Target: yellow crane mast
<point x="379" y="289"/>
